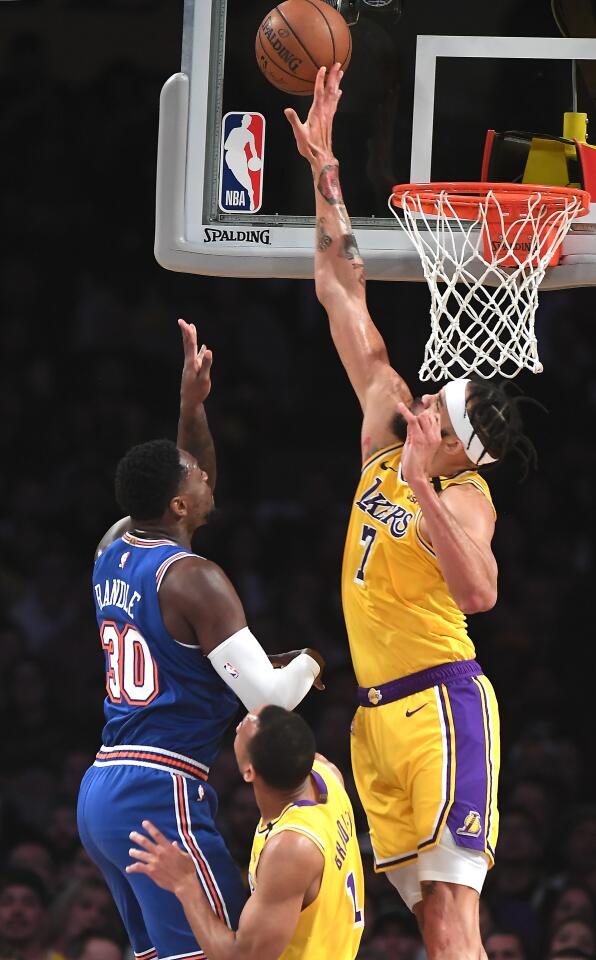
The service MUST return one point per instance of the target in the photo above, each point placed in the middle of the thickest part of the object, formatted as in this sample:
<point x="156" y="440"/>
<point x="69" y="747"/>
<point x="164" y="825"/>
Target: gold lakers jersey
<point x="330" y="926"/>
<point x="400" y="615"/>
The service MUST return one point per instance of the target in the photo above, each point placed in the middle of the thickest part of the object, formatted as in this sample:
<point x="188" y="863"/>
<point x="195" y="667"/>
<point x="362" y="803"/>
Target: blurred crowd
<point x="91" y="361"/>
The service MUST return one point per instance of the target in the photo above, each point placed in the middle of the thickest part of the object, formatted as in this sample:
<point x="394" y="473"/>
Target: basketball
<point x="297" y="38"/>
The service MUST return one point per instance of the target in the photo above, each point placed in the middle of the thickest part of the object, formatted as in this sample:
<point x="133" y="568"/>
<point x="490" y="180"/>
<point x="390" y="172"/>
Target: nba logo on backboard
<point x="241" y="167"/>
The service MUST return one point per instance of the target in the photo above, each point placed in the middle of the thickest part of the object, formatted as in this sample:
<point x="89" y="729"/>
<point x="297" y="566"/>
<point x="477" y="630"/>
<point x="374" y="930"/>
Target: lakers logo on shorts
<point x="472" y="825"/>
<point x="375" y="696"/>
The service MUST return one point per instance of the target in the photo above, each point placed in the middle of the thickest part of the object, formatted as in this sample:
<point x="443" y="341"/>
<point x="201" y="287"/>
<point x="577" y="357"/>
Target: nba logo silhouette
<point x="241" y="167"/>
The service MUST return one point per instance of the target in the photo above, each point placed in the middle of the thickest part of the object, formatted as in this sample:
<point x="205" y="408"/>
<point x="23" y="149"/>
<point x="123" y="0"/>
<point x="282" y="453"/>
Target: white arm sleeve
<point x="243" y="664"/>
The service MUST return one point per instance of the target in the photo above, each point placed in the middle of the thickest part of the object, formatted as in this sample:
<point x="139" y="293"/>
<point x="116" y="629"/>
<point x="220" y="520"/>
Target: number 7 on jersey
<point x="367" y="538"/>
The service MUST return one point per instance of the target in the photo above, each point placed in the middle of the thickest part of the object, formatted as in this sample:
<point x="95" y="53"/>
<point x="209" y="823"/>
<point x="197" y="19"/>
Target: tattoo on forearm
<point x="428" y="888"/>
<point x="343" y="216"/>
<point x="349" y="247"/>
<point x="328" y="185"/>
<point x="324" y="241"/>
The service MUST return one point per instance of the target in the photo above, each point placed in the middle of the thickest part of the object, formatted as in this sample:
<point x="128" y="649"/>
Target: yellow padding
<point x="547" y="163"/>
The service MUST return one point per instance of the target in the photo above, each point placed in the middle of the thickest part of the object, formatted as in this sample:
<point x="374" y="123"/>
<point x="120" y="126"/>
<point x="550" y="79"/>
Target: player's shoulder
<point x="196" y="580"/>
<point x="324" y="766"/>
<point x="195" y="569"/>
<point x="114" y="533"/>
<point x="289" y="844"/>
<point x="470" y="502"/>
<point x="467" y="485"/>
<point x="386" y="456"/>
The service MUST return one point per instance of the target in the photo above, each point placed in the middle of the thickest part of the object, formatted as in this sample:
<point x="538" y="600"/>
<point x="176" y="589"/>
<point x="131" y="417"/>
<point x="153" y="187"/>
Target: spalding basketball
<point x="297" y="38"/>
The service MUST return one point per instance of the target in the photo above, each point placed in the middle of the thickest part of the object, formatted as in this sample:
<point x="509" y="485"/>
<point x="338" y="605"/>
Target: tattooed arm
<point x="339" y="274"/>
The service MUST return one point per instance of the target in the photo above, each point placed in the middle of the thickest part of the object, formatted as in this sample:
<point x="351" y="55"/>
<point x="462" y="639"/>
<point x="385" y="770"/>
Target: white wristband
<point x="243" y="664"/>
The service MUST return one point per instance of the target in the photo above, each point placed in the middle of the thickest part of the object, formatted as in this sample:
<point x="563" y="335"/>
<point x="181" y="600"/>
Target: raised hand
<point x="423" y="440"/>
<point x="161" y="860"/>
<point x="195" y="384"/>
<point x="313" y="137"/>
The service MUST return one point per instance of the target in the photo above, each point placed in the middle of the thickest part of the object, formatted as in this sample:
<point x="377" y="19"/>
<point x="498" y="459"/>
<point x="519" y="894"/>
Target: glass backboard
<point x="420" y="94"/>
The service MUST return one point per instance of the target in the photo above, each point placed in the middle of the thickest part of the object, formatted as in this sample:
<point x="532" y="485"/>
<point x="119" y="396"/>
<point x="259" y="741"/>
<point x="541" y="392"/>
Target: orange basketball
<point x="296" y="38"/>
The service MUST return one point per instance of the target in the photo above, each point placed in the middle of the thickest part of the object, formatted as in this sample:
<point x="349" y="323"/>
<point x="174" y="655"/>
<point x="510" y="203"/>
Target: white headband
<point x="455" y="400"/>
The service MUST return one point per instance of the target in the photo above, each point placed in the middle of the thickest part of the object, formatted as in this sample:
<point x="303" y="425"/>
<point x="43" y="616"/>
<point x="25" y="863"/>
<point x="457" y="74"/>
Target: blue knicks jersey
<point x="161" y="694"/>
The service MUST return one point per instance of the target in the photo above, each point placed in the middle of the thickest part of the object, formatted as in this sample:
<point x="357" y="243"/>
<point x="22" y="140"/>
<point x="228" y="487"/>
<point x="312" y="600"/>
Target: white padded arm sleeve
<point x="243" y="664"/>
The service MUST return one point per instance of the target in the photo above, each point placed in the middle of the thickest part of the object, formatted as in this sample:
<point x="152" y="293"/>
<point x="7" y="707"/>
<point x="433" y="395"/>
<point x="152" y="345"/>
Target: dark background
<point x="91" y="361"/>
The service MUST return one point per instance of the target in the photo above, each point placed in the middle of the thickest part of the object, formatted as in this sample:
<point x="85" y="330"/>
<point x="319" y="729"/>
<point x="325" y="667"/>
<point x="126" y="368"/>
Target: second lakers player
<point x="305" y="874"/>
<point x="425" y="744"/>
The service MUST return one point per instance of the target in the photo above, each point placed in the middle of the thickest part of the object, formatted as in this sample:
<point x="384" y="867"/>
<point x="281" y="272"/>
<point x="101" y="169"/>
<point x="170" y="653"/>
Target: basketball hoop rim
<point x="466" y="199"/>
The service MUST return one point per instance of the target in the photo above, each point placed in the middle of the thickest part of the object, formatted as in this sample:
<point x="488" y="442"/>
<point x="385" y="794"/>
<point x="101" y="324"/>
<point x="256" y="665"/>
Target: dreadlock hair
<point x="147" y="478"/>
<point x="494" y="414"/>
<point x="282" y="750"/>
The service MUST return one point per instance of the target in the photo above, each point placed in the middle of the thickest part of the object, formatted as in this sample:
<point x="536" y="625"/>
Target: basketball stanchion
<point x="484" y="249"/>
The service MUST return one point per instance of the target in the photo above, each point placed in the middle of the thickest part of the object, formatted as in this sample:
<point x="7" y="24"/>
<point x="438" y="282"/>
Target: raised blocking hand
<point x="313" y="137"/>
<point x="195" y="384"/>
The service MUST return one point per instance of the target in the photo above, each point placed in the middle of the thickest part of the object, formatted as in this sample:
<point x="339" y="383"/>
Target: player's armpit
<point x="288" y="878"/>
<point x="115" y="531"/>
<point x="380" y="407"/>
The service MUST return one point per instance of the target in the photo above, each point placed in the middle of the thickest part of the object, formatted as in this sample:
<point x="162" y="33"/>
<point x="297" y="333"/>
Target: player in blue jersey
<point x="179" y="656"/>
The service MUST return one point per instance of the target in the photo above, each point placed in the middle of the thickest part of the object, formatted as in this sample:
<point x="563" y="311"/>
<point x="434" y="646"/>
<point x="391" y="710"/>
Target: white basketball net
<point x="482" y="311"/>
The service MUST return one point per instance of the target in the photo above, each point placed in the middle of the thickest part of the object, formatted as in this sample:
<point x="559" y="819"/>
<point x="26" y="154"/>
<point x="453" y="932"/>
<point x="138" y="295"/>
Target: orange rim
<point x="465" y="199"/>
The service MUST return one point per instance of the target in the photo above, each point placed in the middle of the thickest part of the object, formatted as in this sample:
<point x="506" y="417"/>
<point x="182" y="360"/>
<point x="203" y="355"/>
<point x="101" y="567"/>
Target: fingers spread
<point x="334" y="78"/>
<point x="142" y="841"/>
<point x="153" y="831"/>
<point x="408" y="416"/>
<point x="292" y="117"/>
<point x="320" y="83"/>
<point x="141" y="855"/>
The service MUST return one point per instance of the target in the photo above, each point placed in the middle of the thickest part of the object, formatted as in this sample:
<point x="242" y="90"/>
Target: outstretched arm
<point x="289" y="865"/>
<point x="339" y="273"/>
<point x="193" y="430"/>
<point x="194" y="435"/>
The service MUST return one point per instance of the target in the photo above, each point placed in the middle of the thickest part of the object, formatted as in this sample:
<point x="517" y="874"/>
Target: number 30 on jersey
<point x="131" y="672"/>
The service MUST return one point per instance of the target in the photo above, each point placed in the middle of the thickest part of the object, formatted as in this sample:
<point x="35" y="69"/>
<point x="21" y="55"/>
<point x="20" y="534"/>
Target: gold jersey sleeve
<point x="330" y="926"/>
<point x="399" y="613"/>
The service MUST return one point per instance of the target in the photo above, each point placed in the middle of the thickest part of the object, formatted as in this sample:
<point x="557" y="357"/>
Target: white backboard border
<point x="189" y="239"/>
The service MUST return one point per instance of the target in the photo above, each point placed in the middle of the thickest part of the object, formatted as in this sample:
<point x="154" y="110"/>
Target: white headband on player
<point x="454" y="394"/>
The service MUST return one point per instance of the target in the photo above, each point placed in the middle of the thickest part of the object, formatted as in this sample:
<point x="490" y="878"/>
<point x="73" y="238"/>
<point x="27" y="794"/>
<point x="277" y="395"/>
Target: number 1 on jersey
<point x="351" y="891"/>
<point x="367" y="538"/>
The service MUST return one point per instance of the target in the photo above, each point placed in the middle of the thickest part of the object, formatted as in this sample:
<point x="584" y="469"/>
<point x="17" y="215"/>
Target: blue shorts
<point x="113" y="800"/>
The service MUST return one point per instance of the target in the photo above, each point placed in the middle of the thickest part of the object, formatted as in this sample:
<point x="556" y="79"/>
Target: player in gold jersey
<point x="418" y="558"/>
<point x="305" y="874"/>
